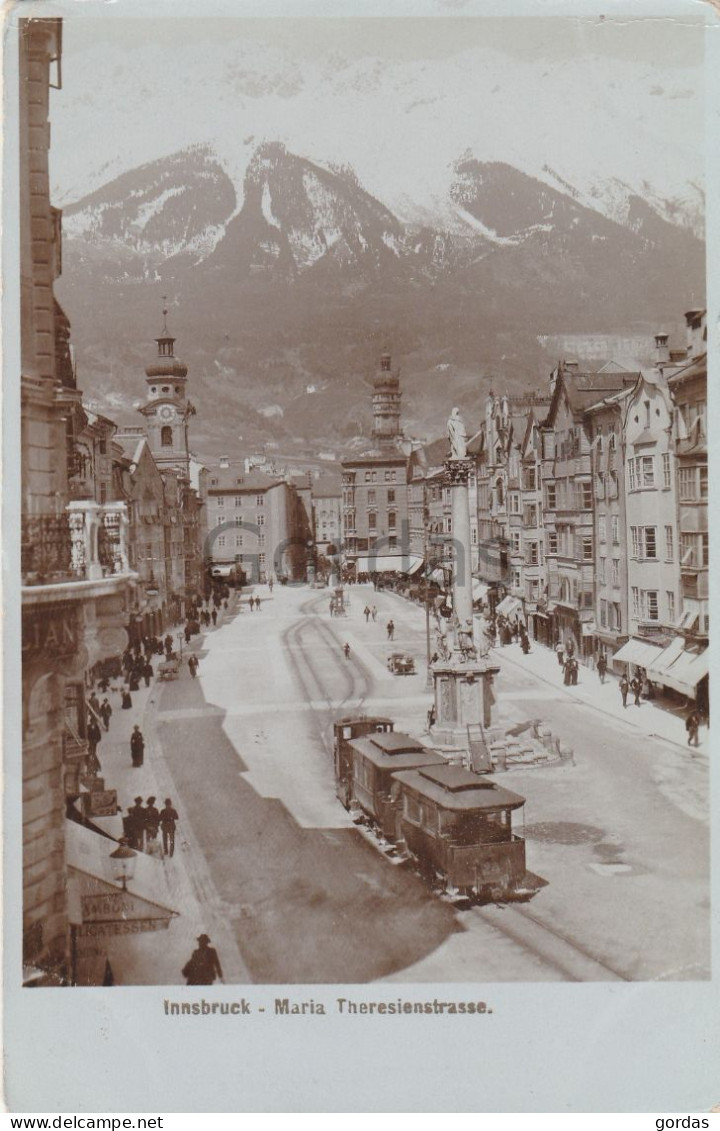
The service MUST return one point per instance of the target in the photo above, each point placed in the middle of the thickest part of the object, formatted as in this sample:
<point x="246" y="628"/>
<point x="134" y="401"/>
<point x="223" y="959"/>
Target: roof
<point x="452" y="787"/>
<point x="394" y="751"/>
<point x="236" y="479"/>
<point x="695" y="368"/>
<point x="327" y="486"/>
<point x="376" y="458"/>
<point x="132" y="445"/>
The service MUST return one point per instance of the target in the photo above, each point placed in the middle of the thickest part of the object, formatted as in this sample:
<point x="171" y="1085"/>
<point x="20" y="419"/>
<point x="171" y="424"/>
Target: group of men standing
<point x="143" y="822"/>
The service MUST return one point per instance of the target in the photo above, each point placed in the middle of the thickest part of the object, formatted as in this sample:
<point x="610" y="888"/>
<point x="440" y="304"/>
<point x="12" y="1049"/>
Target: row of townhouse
<point x="592" y="511"/>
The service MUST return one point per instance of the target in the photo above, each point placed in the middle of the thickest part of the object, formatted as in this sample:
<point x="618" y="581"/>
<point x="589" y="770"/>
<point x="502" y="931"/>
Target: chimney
<point x="224" y="462"/>
<point x="662" y="353"/>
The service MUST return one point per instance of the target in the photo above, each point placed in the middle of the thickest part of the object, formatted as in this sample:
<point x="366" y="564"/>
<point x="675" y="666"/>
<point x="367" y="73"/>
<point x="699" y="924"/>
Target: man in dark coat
<point x="204" y="965"/>
<point x="135" y="824"/>
<point x="602" y="666"/>
<point x="168" y="820"/>
<point x="692" y="726"/>
<point x="105" y="712"/>
<point x="151" y="818"/>
<point x="636" y="686"/>
<point x="137" y="746"/>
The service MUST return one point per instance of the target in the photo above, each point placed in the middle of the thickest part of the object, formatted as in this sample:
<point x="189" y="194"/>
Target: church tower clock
<point x="167" y="409"/>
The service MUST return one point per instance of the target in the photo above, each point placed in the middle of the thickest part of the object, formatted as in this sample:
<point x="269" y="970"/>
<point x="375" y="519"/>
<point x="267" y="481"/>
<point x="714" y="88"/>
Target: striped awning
<point x="639" y="652"/>
<point x="508" y="606"/>
<point x="678" y="668"/>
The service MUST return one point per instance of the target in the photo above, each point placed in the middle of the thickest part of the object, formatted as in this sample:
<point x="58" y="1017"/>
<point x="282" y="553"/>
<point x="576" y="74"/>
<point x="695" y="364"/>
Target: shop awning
<point x="679" y="668"/>
<point x="508" y="606"/>
<point x="415" y="566"/>
<point x="107" y="909"/>
<point x="438" y="576"/>
<point x="479" y="590"/>
<point x="388" y="563"/>
<point x="639" y="652"/>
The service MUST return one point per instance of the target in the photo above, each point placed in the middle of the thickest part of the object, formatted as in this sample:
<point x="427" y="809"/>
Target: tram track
<point x="546" y="945"/>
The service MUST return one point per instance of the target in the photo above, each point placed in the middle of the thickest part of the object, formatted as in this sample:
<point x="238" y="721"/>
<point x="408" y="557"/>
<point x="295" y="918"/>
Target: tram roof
<point x="395" y="751"/>
<point x="453" y="787"/>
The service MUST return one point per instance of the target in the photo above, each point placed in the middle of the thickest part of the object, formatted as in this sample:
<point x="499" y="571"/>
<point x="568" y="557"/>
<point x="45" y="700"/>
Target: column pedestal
<point x="463" y="697"/>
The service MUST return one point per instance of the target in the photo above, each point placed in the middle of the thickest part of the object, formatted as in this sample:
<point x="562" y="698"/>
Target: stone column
<point x="457" y="473"/>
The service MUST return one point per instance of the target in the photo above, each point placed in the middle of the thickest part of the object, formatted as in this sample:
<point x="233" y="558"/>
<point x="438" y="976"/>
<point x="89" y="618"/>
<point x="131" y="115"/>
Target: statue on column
<point x="457" y="434"/>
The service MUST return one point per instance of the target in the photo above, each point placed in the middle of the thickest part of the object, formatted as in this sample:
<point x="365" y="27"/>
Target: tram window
<point x="411" y="809"/>
<point x="347" y="732"/>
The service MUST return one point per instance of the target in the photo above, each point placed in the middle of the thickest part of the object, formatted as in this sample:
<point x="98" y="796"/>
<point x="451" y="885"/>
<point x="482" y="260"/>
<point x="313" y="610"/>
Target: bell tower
<point x="166" y="407"/>
<point x="386" y="405"/>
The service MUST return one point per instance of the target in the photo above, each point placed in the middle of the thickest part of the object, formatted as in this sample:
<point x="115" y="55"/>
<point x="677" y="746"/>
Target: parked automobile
<point x="401" y="663"/>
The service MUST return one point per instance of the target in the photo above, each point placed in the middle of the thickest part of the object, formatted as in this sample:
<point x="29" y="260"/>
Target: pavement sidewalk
<point x="158" y="958"/>
<point x="650" y="718"/>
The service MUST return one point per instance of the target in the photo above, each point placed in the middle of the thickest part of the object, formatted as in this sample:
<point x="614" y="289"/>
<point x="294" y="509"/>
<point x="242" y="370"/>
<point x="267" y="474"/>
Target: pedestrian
<point x="525" y="644"/>
<point x="94" y="702"/>
<point x="390" y="630"/>
<point x="270" y="584"/>
<point x="560" y="653"/>
<point x="148" y="673"/>
<point x="574" y="669"/>
<point x="126" y="698"/>
<point x="624" y="688"/>
<point x="168" y="645"/>
<point x="168" y="820"/>
<point x="151" y="818"/>
<point x="203" y="966"/>
<point x="257" y="604"/>
<point x="431" y="717"/>
<point x="373" y="612"/>
<point x="94" y="735"/>
<point x="692" y="726"/>
<point x="366" y="611"/>
<point x="137" y="746"/>
<point x="105" y="713"/>
<point x="134" y="684"/>
<point x="567" y="672"/>
<point x="602" y="666"/>
<point x="188" y="634"/>
<point x="636" y="686"/>
<point x="103" y="684"/>
<point x="134" y="824"/>
<point x="346" y="650"/>
<point x="213" y="614"/>
<point x="193" y="665"/>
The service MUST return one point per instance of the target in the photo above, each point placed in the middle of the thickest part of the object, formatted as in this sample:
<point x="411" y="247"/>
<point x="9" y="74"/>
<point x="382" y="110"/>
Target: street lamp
<point x="180" y="642"/>
<point x="123" y="859"/>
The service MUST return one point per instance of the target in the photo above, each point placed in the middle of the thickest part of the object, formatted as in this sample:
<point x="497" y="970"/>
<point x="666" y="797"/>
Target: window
<point x="371" y="498"/>
<point x="238" y="520"/>
<point x="529" y="478"/>
<point x="533" y="553"/>
<point x="615" y="575"/>
<point x="602" y="528"/>
<point x="631" y="474"/>
<point x="515" y="541"/>
<point x="260" y="500"/>
<point x="372" y="521"/>
<point x="552" y="543"/>
<point x="611" y="442"/>
<point x="705" y="539"/>
<point x="367" y="476"/>
<point x="515" y="582"/>
<point x="644" y="544"/>
<point x="669" y="548"/>
<point x="703" y="482"/>
<point x="221" y="500"/>
<point x="666" y="469"/>
<point x="392" y="542"/>
<point x="586" y="496"/>
<point x="646" y="471"/>
<point x="238" y="540"/>
<point x="393" y="476"/>
<point x="650" y="604"/>
<point x="392" y="520"/>
<point x="587" y="548"/>
<point x="391" y="496"/>
<point x="221" y="542"/>
<point x="635" y="602"/>
<point x="530" y="517"/>
<point x="670" y="599"/>
<point x="387" y="476"/>
<point x="550" y="497"/>
<point x="261" y="539"/>
<point x="499" y="493"/>
<point x="260" y="519"/>
<point x="601" y="569"/>
<point x="261" y="561"/>
<point x="603" y="614"/>
<point x="650" y="542"/>
<point x="238" y="500"/>
<point x="220" y="521"/>
<point x="514" y="502"/>
<point x="615" y="527"/>
<point x="166" y="436"/>
<point x="692" y="483"/>
<point x="448" y="524"/>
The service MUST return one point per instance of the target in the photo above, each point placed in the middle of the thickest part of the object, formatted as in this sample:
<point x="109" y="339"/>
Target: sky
<point x="400" y="99"/>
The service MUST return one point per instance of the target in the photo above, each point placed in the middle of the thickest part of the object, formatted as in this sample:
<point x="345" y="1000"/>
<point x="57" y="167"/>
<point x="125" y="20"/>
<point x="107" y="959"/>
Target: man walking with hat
<point x="137" y="746"/>
<point x="168" y="820"/>
<point x="203" y="967"/>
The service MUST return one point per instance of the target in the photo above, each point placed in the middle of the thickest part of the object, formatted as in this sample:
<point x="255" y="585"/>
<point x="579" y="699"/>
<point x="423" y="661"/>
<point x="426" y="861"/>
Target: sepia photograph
<point x="360" y="505"/>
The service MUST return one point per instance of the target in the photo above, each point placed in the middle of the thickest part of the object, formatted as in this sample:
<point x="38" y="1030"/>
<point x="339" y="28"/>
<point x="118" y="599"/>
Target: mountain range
<point x="285" y="289"/>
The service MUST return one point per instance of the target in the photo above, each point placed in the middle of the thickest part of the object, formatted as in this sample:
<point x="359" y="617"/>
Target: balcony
<point x="86" y="542"/>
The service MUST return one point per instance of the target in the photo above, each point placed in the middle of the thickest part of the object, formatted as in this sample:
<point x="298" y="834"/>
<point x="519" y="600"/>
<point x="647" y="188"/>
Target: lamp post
<point x="123" y="859"/>
<point x="180" y="642"/>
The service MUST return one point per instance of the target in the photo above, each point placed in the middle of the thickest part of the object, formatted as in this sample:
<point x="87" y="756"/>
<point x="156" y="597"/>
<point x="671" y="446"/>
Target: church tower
<point x="386" y="405"/>
<point x="167" y="409"/>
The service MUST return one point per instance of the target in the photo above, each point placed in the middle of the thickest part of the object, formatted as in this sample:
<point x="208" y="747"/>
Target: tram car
<point x="376" y="759"/>
<point x="458" y="826"/>
<point x="344" y="731"/>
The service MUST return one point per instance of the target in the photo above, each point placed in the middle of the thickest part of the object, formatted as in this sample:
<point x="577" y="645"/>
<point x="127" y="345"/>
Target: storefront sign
<point x="50" y="630"/>
<point x="101" y="803"/>
<point x="122" y="927"/>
